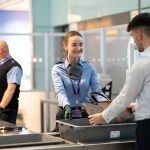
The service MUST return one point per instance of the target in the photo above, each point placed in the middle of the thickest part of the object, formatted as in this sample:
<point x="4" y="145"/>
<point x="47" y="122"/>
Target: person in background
<point x="10" y="78"/>
<point x="137" y="86"/>
<point x="73" y="79"/>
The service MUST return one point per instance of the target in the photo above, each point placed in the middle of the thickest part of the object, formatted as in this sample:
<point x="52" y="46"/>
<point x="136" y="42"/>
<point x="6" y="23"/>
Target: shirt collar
<point x="67" y="63"/>
<point x="5" y="59"/>
<point x="146" y="52"/>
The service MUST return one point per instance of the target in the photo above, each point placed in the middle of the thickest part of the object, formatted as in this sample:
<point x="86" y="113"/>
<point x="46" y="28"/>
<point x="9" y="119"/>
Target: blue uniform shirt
<point x="63" y="86"/>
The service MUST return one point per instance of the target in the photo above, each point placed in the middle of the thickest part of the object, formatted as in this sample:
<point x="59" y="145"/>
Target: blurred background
<point x="34" y="30"/>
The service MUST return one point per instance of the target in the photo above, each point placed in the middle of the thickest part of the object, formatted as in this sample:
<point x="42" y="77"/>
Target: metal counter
<point x="25" y="139"/>
<point x="126" y="145"/>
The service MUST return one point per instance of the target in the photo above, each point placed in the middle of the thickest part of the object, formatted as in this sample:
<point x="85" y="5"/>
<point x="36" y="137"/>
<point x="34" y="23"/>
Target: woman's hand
<point x="67" y="112"/>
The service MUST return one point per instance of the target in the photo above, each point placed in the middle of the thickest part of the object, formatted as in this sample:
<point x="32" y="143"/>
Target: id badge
<point x="76" y="113"/>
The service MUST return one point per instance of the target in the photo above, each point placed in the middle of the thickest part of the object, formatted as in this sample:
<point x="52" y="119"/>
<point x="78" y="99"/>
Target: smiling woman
<point x="73" y="45"/>
<point x="73" y="79"/>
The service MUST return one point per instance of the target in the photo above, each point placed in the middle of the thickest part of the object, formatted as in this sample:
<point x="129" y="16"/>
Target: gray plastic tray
<point x="80" y="131"/>
<point x="24" y="140"/>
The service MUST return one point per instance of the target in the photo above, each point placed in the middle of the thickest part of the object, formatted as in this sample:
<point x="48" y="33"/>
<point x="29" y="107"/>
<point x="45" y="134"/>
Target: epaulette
<point x="60" y="62"/>
<point x="85" y="61"/>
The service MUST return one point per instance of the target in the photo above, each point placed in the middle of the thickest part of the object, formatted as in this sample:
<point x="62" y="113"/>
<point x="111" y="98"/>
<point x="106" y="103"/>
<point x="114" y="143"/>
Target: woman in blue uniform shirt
<point x="73" y="79"/>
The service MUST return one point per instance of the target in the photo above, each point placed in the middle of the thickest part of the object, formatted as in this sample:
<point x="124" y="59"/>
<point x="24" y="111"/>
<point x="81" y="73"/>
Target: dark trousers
<point x="143" y="135"/>
<point x="9" y="115"/>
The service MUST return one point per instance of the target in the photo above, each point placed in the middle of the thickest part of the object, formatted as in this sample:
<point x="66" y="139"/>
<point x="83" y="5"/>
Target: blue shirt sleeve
<point x="14" y="75"/>
<point x="95" y="85"/>
<point x="94" y="82"/>
<point x="59" y="86"/>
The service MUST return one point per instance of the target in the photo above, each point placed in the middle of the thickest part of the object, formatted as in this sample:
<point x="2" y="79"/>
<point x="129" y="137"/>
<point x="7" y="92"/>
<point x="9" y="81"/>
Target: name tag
<point x="76" y="113"/>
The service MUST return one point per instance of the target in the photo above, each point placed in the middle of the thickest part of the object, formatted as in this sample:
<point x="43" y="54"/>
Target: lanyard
<point x="73" y="87"/>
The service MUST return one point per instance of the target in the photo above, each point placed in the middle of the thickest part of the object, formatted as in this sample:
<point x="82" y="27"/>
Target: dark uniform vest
<point x="4" y="69"/>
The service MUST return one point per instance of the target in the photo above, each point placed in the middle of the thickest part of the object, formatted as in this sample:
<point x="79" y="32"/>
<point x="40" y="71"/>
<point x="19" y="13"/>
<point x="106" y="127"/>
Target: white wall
<point x="29" y="108"/>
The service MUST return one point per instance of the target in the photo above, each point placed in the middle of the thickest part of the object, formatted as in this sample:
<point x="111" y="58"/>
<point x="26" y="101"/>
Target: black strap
<point x="94" y="100"/>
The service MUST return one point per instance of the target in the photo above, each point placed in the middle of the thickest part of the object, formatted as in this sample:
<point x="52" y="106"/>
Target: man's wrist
<point x="105" y="117"/>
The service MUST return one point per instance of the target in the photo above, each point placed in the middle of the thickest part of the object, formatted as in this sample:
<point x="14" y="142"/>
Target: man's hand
<point x="132" y="106"/>
<point x="96" y="119"/>
<point x="67" y="112"/>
